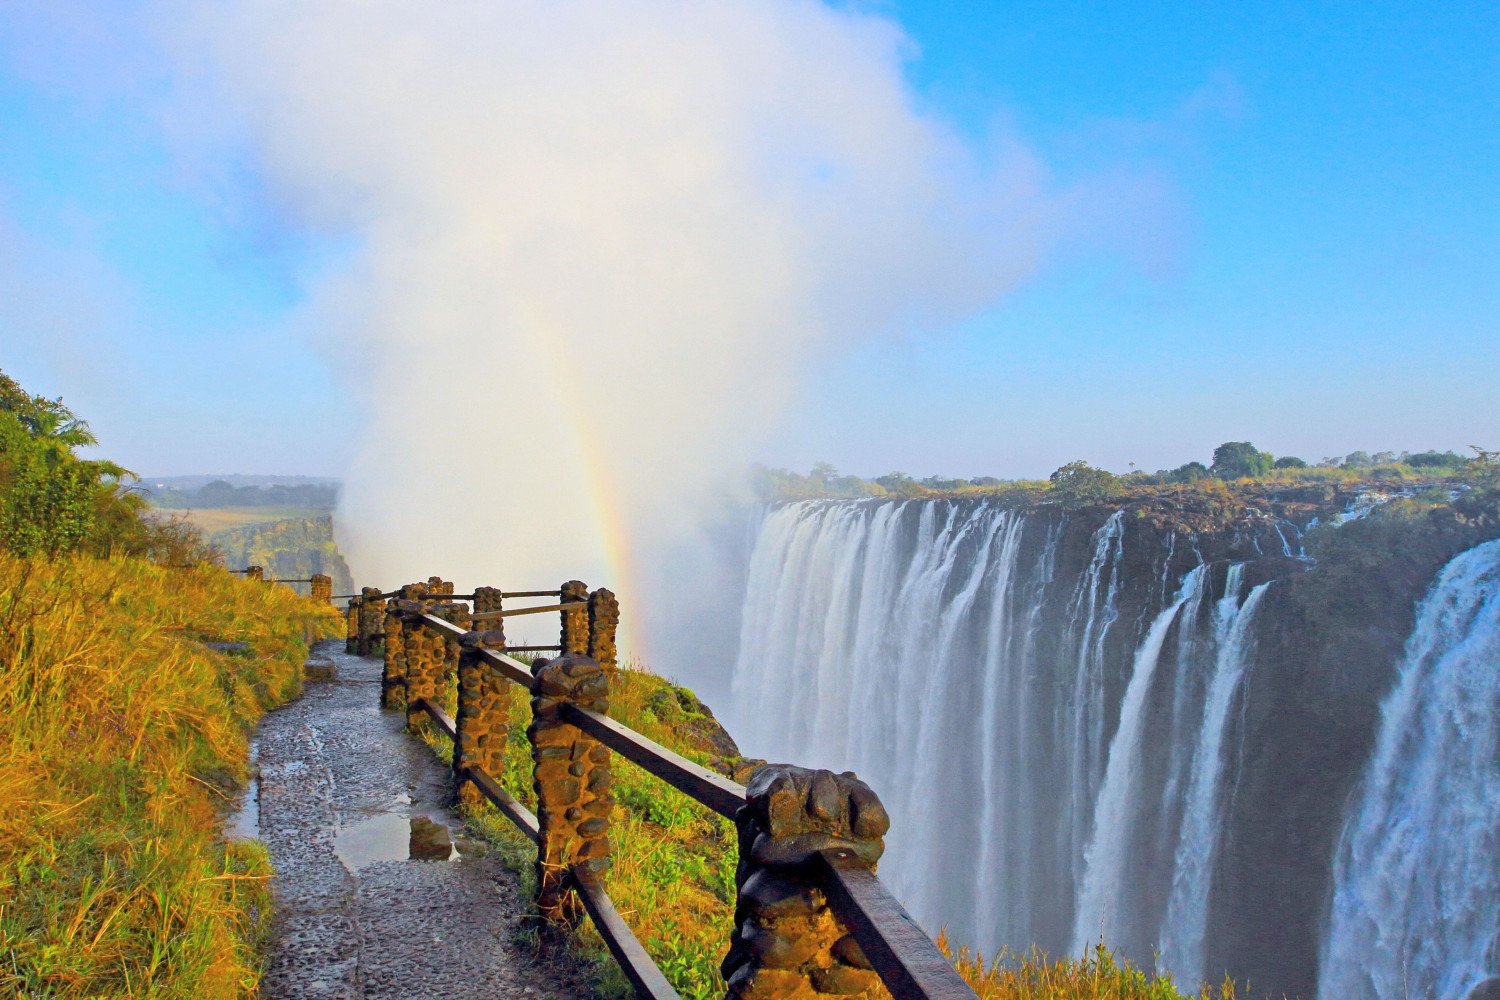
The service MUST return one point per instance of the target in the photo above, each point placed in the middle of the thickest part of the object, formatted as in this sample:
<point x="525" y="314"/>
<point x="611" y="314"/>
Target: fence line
<point x="809" y="839"/>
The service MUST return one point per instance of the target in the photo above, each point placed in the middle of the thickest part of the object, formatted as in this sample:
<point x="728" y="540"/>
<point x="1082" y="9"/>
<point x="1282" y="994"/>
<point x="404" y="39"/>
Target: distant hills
<point x="197" y="481"/>
<point x="186" y="492"/>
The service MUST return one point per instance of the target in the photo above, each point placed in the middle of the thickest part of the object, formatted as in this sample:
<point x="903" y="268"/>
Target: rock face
<point x="786" y="941"/>
<point x="1026" y="633"/>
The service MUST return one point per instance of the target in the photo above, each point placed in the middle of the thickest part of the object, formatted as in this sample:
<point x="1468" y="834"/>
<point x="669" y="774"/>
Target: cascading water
<point x="978" y="670"/>
<point x="1416" y="901"/>
<point x="1182" y="932"/>
<point x="1106" y="874"/>
<point x="1066" y="716"/>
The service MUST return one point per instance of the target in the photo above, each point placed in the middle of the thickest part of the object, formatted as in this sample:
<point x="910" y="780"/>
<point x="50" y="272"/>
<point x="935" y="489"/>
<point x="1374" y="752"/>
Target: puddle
<point x="244" y="822"/>
<point x="393" y="837"/>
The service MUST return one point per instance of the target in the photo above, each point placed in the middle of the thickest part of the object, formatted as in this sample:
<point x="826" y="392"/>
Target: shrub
<point x="1240" y="460"/>
<point x="1290" y="462"/>
<point x="1081" y="483"/>
<point x="1435" y="460"/>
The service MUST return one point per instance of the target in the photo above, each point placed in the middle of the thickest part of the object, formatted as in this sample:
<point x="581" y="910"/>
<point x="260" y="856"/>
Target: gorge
<point x="1223" y="731"/>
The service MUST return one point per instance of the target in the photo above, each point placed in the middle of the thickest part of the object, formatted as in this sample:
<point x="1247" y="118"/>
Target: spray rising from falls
<point x="591" y="249"/>
<point x="997" y="676"/>
<point x="1417" y="876"/>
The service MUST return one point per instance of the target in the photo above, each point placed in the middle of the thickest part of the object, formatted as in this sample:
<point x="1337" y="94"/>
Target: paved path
<point x="353" y="812"/>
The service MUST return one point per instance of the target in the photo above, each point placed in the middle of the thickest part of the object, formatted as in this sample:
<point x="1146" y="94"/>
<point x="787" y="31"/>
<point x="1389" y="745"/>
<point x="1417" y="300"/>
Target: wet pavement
<point x="378" y="892"/>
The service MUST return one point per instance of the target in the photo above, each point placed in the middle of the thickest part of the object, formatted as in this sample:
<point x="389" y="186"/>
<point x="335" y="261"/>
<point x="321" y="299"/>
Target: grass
<point x="672" y="876"/>
<point x="1095" y="976"/>
<point x="122" y="740"/>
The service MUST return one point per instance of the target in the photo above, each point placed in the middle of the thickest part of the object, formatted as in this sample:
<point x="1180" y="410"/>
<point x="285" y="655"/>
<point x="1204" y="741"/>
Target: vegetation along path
<point x="377" y="892"/>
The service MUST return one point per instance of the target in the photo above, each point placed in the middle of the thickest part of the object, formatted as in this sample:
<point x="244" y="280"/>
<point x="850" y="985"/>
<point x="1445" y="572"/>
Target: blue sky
<point x="1320" y="272"/>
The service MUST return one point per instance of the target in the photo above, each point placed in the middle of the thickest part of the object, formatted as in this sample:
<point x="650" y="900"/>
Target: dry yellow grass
<point x="122" y="737"/>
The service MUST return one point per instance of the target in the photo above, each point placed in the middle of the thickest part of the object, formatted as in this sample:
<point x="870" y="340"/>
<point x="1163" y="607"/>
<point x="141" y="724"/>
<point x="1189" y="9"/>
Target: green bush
<point x="1241" y="459"/>
<point x="53" y="502"/>
<point x="1081" y="483"/>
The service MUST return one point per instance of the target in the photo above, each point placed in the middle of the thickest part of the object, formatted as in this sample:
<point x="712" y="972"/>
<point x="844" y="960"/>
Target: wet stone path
<point x="378" y="893"/>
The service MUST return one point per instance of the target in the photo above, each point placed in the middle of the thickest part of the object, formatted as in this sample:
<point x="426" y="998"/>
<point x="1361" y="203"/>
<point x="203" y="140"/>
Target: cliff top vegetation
<point x="1237" y="463"/>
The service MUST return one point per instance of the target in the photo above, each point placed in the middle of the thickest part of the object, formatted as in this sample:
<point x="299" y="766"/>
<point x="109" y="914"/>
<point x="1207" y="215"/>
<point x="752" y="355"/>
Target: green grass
<point x="122" y="740"/>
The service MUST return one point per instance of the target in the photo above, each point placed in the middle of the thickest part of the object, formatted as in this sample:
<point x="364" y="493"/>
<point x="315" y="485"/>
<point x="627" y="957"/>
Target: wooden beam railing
<point x="810" y="827"/>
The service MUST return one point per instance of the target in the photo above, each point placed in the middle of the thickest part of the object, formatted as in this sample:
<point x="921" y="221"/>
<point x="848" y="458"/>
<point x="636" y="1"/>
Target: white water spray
<point x="1416" y="899"/>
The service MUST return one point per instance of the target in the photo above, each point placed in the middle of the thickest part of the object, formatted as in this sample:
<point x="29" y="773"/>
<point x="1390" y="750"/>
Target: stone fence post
<point x="351" y="626"/>
<point x="604" y="621"/>
<point x="488" y="599"/>
<point x="575" y="623"/>
<point x="483" y="718"/>
<point x="428" y="659"/>
<point x="371" y="619"/>
<point x="393" y="671"/>
<point x="786" y="940"/>
<point x="571" y="775"/>
<point x="320" y="587"/>
<point x="255" y="573"/>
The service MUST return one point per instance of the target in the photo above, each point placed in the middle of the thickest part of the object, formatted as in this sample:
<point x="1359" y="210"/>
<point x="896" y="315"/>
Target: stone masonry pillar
<point x="393" y="675"/>
<point x="786" y="940"/>
<point x="255" y="573"/>
<point x="320" y="587"/>
<point x="351" y="626"/>
<point x="575" y="623"/>
<point x="483" y="718"/>
<point x="455" y="613"/>
<point x="371" y="619"/>
<point x="488" y="599"/>
<point x="604" y="620"/>
<point x="424" y="660"/>
<point x="571" y="775"/>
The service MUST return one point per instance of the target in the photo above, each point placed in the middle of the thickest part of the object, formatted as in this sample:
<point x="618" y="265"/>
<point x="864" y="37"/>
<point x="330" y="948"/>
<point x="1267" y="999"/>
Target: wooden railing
<point x="808" y="839"/>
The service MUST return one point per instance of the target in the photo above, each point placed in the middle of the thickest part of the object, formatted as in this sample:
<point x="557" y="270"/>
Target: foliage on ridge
<point x="1080" y="483"/>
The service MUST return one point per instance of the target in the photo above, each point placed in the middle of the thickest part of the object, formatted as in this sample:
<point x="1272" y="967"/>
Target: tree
<point x="1290" y="462"/>
<point x="1358" y="460"/>
<point x="216" y="494"/>
<point x="1240" y="460"/>
<point x="900" y="484"/>
<point x="1079" y="482"/>
<point x="1436" y="460"/>
<point x="1189" y="472"/>
<point x="822" y="472"/>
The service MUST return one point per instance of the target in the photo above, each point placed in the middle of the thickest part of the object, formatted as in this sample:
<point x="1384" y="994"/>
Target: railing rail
<point x="893" y="947"/>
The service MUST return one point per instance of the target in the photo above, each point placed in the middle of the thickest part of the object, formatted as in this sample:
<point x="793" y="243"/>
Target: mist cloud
<point x="598" y="245"/>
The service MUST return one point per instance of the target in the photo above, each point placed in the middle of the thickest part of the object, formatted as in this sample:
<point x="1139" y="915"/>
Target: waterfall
<point x="1184" y="930"/>
<point x="971" y="665"/>
<point x="1064" y="715"/>
<point x="1107" y="855"/>
<point x="1417" y="872"/>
